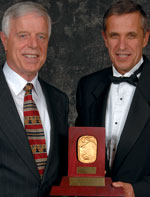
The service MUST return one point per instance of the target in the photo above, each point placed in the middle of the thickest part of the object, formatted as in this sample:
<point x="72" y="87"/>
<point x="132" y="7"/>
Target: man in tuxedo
<point x="33" y="114"/>
<point x="118" y="97"/>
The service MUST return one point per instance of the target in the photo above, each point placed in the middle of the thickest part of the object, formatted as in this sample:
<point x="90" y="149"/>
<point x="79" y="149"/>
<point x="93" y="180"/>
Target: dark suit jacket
<point x="132" y="160"/>
<point x="19" y="176"/>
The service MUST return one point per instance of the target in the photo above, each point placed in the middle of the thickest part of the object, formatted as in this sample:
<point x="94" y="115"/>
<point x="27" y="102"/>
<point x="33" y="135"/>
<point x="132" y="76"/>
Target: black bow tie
<point x="133" y="79"/>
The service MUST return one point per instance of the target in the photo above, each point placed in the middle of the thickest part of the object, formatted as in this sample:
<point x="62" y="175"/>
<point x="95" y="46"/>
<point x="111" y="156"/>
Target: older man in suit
<point x="118" y="98"/>
<point x="33" y="114"/>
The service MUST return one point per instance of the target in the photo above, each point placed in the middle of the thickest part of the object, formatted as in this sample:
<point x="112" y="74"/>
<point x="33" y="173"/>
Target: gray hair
<point x="21" y="9"/>
<point x="125" y="7"/>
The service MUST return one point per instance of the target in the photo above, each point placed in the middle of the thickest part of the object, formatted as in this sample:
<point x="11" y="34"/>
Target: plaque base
<point x="86" y="181"/>
<point x="66" y="190"/>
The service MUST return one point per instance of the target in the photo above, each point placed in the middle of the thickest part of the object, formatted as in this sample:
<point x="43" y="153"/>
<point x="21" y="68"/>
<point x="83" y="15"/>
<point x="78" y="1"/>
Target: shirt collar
<point x="16" y="82"/>
<point x="128" y="74"/>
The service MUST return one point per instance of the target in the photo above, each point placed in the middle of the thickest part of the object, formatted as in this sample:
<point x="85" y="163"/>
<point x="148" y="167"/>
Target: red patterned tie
<point x="34" y="130"/>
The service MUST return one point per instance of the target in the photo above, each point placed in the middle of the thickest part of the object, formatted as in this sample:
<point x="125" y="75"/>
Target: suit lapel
<point x="137" y="117"/>
<point x="12" y="127"/>
<point x="54" y="114"/>
<point x="98" y="107"/>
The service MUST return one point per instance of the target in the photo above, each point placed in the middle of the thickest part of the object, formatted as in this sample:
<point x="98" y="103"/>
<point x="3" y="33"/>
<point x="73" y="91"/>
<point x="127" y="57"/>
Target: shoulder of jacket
<point x="97" y="75"/>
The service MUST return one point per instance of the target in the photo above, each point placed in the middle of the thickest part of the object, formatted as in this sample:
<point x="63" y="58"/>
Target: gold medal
<point x="87" y="149"/>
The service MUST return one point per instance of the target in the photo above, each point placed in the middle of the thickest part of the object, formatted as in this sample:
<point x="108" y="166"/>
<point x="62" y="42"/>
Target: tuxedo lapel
<point x="12" y="127"/>
<point x="137" y="117"/>
<point x="98" y="107"/>
<point x="97" y="110"/>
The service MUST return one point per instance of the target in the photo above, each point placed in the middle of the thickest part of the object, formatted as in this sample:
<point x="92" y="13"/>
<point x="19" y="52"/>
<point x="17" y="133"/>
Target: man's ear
<point x="105" y="38"/>
<point x="146" y="38"/>
<point x="4" y="40"/>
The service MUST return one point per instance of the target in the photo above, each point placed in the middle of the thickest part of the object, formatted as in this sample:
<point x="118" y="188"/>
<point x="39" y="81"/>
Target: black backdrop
<point x="76" y="47"/>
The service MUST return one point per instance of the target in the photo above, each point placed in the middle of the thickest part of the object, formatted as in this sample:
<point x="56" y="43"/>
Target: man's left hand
<point x="127" y="187"/>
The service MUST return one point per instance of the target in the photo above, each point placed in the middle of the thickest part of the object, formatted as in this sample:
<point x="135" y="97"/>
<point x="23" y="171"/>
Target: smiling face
<point x="125" y="40"/>
<point x="26" y="44"/>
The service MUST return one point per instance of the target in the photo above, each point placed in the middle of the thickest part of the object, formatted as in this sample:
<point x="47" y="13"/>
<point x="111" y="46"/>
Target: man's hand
<point x="127" y="187"/>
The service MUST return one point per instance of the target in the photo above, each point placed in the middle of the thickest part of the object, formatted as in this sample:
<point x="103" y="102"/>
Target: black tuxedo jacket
<point x="132" y="160"/>
<point x="19" y="176"/>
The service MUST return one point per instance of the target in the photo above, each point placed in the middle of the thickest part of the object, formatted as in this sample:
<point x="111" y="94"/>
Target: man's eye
<point x="41" y="37"/>
<point x="131" y="36"/>
<point x="114" y="36"/>
<point x="22" y="35"/>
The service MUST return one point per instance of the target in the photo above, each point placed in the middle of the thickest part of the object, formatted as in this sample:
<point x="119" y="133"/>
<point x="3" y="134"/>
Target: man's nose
<point x="122" y="43"/>
<point x="33" y="42"/>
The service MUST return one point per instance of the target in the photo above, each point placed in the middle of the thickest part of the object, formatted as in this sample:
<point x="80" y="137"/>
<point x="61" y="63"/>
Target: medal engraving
<point x="87" y="149"/>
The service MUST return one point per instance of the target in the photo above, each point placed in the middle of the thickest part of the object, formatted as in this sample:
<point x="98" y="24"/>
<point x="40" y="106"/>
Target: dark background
<point x="76" y="47"/>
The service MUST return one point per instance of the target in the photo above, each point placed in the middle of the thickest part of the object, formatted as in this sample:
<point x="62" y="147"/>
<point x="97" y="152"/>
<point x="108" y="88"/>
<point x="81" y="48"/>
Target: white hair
<point x="21" y="9"/>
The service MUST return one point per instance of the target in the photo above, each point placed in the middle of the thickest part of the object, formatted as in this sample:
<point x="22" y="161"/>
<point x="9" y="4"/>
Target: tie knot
<point x="28" y="87"/>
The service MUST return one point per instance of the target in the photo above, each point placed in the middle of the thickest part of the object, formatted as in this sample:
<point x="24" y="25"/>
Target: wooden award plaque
<point x="86" y="157"/>
<point x="86" y="166"/>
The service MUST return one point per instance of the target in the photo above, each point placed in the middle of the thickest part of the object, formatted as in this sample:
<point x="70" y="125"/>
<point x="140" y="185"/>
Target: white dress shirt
<point x="118" y="104"/>
<point x="16" y="84"/>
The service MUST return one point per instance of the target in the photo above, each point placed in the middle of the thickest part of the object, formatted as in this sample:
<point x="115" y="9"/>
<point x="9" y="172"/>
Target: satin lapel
<point x="98" y="107"/>
<point x="12" y="127"/>
<point x="137" y="118"/>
